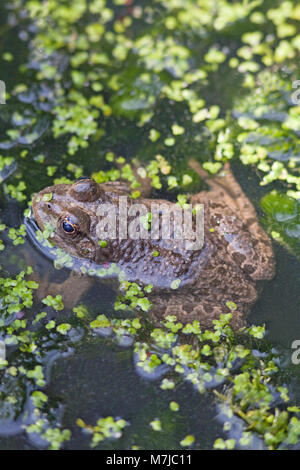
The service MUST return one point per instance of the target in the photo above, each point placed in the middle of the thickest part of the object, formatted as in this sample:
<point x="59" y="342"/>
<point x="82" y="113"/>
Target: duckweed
<point x="54" y="302"/>
<point x="106" y="428"/>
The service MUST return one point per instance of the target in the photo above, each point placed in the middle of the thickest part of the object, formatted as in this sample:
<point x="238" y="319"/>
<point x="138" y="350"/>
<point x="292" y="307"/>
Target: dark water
<point x="89" y="376"/>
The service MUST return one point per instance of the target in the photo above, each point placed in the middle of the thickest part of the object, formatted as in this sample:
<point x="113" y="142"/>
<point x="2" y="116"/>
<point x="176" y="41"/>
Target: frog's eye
<point x="74" y="223"/>
<point x="68" y="226"/>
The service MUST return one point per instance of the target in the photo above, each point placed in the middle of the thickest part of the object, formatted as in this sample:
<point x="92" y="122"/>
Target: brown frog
<point x="235" y="256"/>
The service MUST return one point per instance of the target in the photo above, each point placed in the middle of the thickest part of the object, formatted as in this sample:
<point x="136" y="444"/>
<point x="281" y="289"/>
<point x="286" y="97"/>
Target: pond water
<point x="91" y="82"/>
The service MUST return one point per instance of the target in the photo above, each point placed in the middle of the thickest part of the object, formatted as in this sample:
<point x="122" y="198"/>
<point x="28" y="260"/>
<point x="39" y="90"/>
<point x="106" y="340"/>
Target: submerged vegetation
<point x="98" y="86"/>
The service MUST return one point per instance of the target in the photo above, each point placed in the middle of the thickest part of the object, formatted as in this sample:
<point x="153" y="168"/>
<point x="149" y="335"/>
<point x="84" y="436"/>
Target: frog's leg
<point x="71" y="290"/>
<point x="187" y="308"/>
<point x="226" y="185"/>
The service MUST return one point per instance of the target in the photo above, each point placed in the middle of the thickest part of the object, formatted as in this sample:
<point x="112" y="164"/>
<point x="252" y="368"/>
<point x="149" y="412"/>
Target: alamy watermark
<point x="163" y="221"/>
<point x="295" y="97"/>
<point x="296" y="354"/>
<point x="2" y="351"/>
<point x="2" y="92"/>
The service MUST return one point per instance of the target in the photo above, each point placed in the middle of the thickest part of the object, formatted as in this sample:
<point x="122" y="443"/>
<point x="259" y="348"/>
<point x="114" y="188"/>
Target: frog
<point x="223" y="275"/>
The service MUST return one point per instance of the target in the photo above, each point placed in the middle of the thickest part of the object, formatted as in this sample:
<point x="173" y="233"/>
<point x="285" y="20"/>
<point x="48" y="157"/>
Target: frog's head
<point x="69" y="210"/>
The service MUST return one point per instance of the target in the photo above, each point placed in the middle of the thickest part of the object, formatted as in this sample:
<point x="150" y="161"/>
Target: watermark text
<point x="2" y="92"/>
<point x="163" y="221"/>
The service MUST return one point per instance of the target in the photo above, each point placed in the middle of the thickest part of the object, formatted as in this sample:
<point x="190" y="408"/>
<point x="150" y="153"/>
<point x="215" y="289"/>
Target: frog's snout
<point x="42" y="210"/>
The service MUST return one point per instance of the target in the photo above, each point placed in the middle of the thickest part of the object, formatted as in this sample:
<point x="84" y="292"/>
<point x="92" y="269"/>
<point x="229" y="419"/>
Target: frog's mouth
<point x="53" y="253"/>
<point x="44" y="246"/>
<point x="34" y="233"/>
<point x="31" y="223"/>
